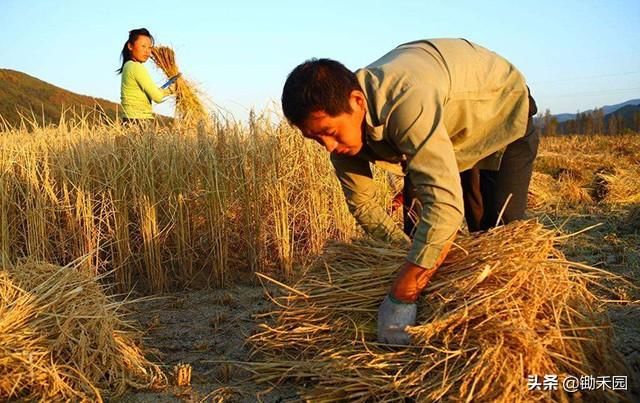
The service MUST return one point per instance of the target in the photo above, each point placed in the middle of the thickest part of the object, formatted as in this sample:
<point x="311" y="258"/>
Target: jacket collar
<point x="372" y="131"/>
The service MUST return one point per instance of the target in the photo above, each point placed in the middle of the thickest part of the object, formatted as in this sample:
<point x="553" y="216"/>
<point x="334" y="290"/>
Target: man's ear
<point x="357" y="99"/>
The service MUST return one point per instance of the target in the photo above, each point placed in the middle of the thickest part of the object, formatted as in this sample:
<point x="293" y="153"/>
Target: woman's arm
<point x="148" y="86"/>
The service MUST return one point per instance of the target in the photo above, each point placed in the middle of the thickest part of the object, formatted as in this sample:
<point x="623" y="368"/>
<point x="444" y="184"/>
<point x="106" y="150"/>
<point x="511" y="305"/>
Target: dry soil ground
<point x="207" y="328"/>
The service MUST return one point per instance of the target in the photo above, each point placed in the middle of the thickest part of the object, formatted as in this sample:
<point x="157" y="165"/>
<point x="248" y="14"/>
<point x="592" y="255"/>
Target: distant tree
<point x="588" y="123"/>
<point x="636" y="121"/>
<point x="546" y="118"/>
<point x="550" y="123"/>
<point x="553" y="127"/>
<point x="579" y="122"/>
<point x="613" y="125"/>
<point x="546" y="122"/>
<point x="598" y="120"/>
<point x="621" y="123"/>
<point x="538" y="123"/>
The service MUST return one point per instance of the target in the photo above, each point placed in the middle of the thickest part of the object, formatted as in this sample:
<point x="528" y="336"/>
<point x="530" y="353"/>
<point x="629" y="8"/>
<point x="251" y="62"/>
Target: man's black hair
<point x="317" y="85"/>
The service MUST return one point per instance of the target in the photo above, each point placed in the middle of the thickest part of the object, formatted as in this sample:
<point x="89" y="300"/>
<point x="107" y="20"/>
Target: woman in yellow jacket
<point x="137" y="89"/>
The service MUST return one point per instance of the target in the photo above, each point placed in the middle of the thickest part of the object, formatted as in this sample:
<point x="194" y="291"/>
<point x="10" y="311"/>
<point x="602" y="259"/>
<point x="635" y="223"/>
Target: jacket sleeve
<point x="415" y="125"/>
<point x="359" y="188"/>
<point x="146" y="83"/>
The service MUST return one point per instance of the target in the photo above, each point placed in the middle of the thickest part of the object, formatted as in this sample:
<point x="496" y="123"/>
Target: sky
<point x="576" y="55"/>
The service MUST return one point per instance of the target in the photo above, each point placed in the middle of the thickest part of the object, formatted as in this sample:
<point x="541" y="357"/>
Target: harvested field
<point x="194" y="215"/>
<point x="505" y="304"/>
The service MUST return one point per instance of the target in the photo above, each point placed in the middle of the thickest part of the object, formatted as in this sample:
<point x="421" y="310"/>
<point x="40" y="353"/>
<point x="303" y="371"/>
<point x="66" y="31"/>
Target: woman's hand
<point x="171" y="90"/>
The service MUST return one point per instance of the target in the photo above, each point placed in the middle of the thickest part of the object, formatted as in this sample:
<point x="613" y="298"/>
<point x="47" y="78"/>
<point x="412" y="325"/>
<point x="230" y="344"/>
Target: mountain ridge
<point x="607" y="109"/>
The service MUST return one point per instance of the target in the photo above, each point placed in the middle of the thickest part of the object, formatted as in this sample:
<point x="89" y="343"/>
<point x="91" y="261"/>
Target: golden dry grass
<point x="579" y="172"/>
<point x="162" y="210"/>
<point x="620" y="187"/>
<point x="62" y="338"/>
<point x="505" y="305"/>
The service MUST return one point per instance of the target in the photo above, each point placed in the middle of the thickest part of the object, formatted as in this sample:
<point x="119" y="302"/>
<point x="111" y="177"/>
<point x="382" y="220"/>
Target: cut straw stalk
<point x="189" y="108"/>
<point x="622" y="187"/>
<point x="62" y="339"/>
<point x="511" y="307"/>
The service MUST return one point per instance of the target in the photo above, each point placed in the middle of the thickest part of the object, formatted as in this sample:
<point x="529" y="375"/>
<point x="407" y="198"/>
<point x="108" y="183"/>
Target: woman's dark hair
<point x="125" y="55"/>
<point x="318" y="85"/>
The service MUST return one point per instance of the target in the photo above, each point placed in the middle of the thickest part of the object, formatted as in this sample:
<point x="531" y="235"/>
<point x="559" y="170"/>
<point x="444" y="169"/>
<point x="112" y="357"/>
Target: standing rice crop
<point x="162" y="209"/>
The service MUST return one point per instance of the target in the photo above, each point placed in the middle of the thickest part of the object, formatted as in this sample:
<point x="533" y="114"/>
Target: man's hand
<point x="393" y="318"/>
<point x="410" y="282"/>
<point x="398" y="310"/>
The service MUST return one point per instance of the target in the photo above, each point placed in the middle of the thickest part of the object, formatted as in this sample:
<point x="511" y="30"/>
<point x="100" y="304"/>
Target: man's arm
<point x="359" y="188"/>
<point x="415" y="125"/>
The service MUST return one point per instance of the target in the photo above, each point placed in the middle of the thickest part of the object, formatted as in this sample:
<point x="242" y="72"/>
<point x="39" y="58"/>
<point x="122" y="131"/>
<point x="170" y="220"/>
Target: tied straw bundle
<point x="189" y="108"/>
<point x="504" y="306"/>
<point x="61" y="338"/>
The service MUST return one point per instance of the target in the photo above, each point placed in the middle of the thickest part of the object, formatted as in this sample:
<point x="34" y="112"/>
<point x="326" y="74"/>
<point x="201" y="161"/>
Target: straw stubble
<point x="62" y="338"/>
<point x="505" y="305"/>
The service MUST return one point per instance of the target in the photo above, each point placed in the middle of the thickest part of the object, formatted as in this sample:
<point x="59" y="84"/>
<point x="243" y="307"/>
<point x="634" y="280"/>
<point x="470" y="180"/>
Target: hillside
<point x="21" y="93"/>
<point x="627" y="115"/>
<point x="607" y="110"/>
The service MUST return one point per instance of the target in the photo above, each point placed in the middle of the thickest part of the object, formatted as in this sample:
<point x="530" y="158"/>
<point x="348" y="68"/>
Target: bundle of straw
<point x="542" y="191"/>
<point x="619" y="186"/>
<point x="61" y="338"/>
<point x="546" y="192"/>
<point x="189" y="108"/>
<point x="505" y="305"/>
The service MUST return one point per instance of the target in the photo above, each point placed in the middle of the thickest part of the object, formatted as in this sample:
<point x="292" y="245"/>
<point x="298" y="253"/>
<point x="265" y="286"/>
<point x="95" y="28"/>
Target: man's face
<point x="340" y="134"/>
